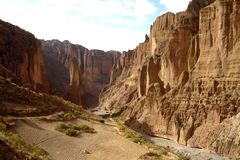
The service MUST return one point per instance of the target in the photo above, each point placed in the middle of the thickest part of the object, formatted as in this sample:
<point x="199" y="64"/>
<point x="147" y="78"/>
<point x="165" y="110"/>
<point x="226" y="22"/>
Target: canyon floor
<point x="106" y="144"/>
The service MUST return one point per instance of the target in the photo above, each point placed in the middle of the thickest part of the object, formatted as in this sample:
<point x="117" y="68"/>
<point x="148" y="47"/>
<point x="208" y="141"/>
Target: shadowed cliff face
<point x="77" y="73"/>
<point x="184" y="78"/>
<point x="21" y="57"/>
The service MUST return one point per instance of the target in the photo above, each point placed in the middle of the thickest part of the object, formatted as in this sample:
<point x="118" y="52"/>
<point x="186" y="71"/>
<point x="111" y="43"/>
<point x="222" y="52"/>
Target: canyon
<point x="60" y="68"/>
<point x="182" y="83"/>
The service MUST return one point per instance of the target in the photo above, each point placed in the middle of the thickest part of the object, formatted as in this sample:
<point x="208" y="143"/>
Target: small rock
<point x="86" y="151"/>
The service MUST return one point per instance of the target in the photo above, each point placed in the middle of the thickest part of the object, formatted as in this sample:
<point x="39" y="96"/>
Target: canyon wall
<point x="77" y="73"/>
<point x="184" y="78"/>
<point x="21" y="57"/>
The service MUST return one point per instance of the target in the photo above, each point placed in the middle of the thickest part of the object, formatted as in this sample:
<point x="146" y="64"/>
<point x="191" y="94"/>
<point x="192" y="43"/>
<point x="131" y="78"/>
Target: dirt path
<point x="104" y="145"/>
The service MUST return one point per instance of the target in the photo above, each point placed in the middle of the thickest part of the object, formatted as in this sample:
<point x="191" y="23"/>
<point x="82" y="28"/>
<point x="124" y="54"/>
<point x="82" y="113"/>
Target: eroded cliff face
<point x="75" y="90"/>
<point x="77" y="73"/>
<point x="21" y="57"/>
<point x="184" y="78"/>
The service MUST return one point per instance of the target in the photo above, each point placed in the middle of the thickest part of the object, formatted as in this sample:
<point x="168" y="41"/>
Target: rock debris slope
<point x="184" y="79"/>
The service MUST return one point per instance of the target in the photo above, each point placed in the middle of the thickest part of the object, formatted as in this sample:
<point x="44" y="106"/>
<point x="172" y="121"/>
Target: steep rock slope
<point x="19" y="101"/>
<point x="77" y="73"/>
<point x="21" y="56"/>
<point x="184" y="77"/>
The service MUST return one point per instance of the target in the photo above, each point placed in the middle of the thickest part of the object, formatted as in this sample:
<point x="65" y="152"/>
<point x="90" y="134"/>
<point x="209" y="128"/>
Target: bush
<point x="182" y="156"/>
<point x="85" y="129"/>
<point x="74" y="130"/>
<point x="3" y="126"/>
<point x="151" y="156"/>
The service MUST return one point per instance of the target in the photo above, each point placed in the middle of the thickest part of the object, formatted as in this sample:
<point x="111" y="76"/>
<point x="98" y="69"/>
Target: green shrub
<point x="151" y="156"/>
<point x="74" y="130"/>
<point x="132" y="135"/>
<point x="3" y="126"/>
<point x="85" y="129"/>
<point x="182" y="156"/>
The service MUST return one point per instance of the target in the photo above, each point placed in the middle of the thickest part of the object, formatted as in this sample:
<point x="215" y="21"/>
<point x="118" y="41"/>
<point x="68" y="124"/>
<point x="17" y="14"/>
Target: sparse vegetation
<point x="182" y="156"/>
<point x="132" y="135"/>
<point x="156" y="152"/>
<point x="21" y="150"/>
<point x="117" y="112"/>
<point x="151" y="156"/>
<point x="73" y="129"/>
<point x="19" y="101"/>
<point x="3" y="126"/>
<point x="74" y="113"/>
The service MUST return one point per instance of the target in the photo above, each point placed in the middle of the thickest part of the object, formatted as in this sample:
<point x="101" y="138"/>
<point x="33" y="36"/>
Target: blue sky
<point x="95" y="24"/>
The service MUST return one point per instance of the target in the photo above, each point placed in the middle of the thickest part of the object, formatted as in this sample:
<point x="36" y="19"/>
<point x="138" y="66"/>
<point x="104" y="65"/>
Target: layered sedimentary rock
<point x="184" y="77"/>
<point x="77" y="73"/>
<point x="21" y="57"/>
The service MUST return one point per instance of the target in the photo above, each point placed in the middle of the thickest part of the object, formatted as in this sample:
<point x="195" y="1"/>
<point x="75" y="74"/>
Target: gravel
<point x="193" y="153"/>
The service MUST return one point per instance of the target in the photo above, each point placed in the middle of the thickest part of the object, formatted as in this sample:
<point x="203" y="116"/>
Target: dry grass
<point x="19" y="101"/>
<point x="155" y="152"/>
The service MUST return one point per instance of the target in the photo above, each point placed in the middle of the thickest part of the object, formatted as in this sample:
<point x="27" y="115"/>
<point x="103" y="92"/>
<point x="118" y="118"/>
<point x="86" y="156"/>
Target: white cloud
<point x="101" y="24"/>
<point x="175" y="5"/>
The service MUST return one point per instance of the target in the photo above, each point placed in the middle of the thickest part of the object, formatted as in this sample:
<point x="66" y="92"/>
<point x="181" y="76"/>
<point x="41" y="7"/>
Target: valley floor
<point x="106" y="144"/>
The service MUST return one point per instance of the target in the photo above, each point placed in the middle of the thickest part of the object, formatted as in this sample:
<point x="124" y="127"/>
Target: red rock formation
<point x="21" y="56"/>
<point x="184" y="77"/>
<point x="91" y="73"/>
<point x="75" y="91"/>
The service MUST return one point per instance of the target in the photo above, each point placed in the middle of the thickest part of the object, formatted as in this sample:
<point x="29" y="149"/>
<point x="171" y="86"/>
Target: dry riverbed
<point x="193" y="153"/>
